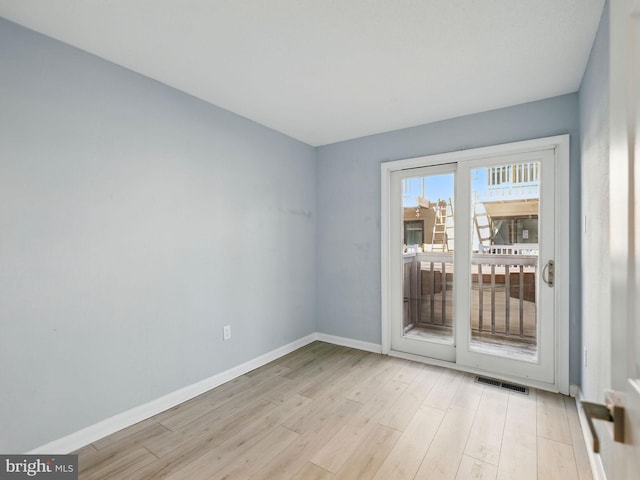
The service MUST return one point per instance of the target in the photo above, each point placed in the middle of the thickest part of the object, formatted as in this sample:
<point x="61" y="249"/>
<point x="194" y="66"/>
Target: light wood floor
<point x="327" y="412"/>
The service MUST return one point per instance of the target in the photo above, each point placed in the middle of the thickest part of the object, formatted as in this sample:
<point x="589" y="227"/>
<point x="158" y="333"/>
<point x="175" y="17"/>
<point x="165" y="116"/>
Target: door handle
<point x="608" y="412"/>
<point x="548" y="273"/>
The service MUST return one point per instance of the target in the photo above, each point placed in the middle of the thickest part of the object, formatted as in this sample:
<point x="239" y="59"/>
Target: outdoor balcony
<point x="503" y="299"/>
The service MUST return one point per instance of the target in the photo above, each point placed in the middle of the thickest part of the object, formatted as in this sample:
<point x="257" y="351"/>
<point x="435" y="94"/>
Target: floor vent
<point x="508" y="386"/>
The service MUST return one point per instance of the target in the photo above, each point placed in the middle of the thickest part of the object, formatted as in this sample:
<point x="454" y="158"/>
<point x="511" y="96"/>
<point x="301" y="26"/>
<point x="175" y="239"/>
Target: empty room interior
<point x="320" y="240"/>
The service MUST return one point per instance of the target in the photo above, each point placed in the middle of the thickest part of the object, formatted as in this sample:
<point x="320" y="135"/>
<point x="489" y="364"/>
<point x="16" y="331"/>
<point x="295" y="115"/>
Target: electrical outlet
<point x="584" y="357"/>
<point x="226" y="332"/>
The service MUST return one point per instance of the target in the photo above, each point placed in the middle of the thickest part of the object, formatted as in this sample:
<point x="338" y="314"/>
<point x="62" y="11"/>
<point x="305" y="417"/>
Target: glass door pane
<point x="505" y="230"/>
<point x="427" y="249"/>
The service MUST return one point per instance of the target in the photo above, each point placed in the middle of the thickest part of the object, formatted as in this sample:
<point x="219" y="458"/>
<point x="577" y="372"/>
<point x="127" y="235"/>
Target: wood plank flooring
<point x="327" y="412"/>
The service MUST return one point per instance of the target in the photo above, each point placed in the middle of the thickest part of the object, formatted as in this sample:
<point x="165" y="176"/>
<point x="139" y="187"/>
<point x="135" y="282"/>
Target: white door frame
<point x="561" y="146"/>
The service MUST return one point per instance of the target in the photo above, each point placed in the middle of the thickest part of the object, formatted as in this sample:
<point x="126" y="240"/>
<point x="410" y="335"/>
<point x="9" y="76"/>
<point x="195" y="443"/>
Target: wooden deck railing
<point x="502" y="293"/>
<point x="501" y="271"/>
<point x="428" y="296"/>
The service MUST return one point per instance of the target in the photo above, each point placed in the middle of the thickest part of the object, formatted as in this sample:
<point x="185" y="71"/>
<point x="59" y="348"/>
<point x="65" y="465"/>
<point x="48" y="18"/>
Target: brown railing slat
<point x="418" y="318"/>
<point x="415" y="293"/>
<point x="507" y="287"/>
<point x="480" y="298"/>
<point x="433" y="293"/>
<point x="493" y="299"/>
<point x="443" y="288"/>
<point x="521" y="301"/>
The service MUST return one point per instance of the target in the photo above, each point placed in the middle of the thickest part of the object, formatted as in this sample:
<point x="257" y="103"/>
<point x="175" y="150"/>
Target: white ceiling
<point x="323" y="71"/>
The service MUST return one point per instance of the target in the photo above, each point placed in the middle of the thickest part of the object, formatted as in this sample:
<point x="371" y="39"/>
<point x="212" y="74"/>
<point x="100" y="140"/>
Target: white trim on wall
<point x="122" y="420"/>
<point x="349" y="342"/>
<point x="562" y="260"/>
<point x="595" y="460"/>
<point x="561" y="145"/>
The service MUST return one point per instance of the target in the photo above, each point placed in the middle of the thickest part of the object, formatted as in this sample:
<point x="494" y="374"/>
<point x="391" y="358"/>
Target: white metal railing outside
<point x="511" y="182"/>
<point x="515" y="249"/>
<point x="518" y="174"/>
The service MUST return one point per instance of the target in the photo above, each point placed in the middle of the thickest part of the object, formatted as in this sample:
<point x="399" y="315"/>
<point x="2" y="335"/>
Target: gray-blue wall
<point x="348" y="225"/>
<point x="594" y="135"/>
<point x="597" y="338"/>
<point x="135" y="221"/>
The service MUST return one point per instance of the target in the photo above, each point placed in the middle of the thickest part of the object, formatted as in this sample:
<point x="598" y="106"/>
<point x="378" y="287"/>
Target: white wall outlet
<point x="226" y="332"/>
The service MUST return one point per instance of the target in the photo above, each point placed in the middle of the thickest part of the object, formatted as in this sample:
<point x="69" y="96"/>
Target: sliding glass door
<point x="424" y="202"/>
<point x="472" y="263"/>
<point x="508" y="300"/>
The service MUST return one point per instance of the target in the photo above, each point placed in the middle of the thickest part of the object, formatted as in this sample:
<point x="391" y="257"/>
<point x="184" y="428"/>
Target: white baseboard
<point x="597" y="469"/>
<point x="349" y="342"/>
<point x="574" y="391"/>
<point x="122" y="420"/>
